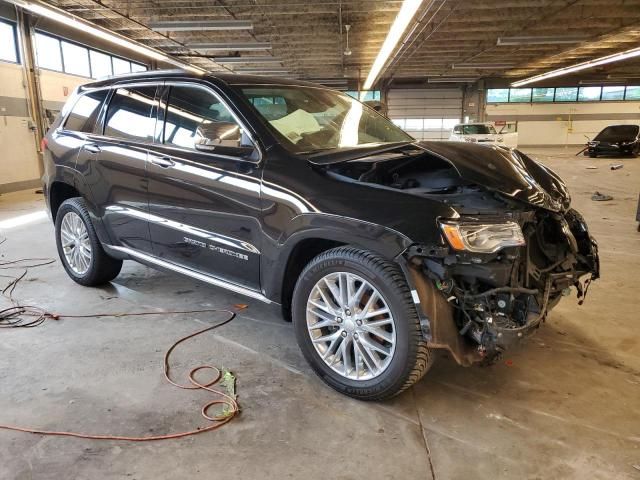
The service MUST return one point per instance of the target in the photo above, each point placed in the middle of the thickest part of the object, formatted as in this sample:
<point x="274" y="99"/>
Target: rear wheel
<point x="357" y="325"/>
<point x="79" y="249"/>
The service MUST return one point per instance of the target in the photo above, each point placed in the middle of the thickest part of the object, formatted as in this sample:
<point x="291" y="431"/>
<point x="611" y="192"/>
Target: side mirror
<point x="212" y="134"/>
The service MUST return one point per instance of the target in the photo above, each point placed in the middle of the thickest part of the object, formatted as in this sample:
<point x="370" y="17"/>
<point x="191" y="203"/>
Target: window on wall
<point x="542" y="94"/>
<point x="632" y="93"/>
<point x="121" y="66"/>
<point x="589" y="94"/>
<point x="563" y="94"/>
<point x="612" y="93"/>
<point x="76" y="59"/>
<point x="8" y="46"/>
<point x="520" y="95"/>
<point x="53" y="53"/>
<point x="48" y="52"/>
<point x="566" y="94"/>
<point x="367" y="96"/>
<point x="497" y="95"/>
<point x="100" y="64"/>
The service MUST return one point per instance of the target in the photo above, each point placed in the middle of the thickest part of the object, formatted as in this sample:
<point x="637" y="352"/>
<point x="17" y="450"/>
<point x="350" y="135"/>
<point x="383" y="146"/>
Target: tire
<point x="92" y="269"/>
<point x="408" y="357"/>
<point x="593" y="154"/>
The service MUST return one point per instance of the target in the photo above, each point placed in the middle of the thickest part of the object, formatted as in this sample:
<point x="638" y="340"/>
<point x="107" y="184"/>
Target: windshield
<point x="618" y="133"/>
<point x="477" y="129"/>
<point x="311" y="119"/>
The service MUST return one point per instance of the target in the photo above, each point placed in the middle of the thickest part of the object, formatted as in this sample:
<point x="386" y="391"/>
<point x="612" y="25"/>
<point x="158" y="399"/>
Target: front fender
<point x="320" y="226"/>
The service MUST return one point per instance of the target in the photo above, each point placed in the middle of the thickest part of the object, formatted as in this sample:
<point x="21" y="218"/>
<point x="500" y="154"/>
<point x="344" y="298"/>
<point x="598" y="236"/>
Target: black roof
<point x="226" y="78"/>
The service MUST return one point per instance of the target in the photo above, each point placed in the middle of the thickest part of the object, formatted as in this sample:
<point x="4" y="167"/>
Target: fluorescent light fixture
<point x="79" y="24"/>
<point x="197" y="25"/>
<point x="22" y="220"/>
<point x="450" y="80"/>
<point x="616" y="57"/>
<point x="541" y="40"/>
<point x="481" y="66"/>
<point x="406" y="13"/>
<point x="251" y="71"/>
<point x="230" y="46"/>
<point x="229" y="60"/>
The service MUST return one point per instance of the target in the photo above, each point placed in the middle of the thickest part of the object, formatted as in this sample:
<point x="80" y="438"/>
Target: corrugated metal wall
<point x="426" y="114"/>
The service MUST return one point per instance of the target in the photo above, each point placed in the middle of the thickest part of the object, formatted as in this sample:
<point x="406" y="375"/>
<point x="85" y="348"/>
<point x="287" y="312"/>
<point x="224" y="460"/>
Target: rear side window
<point x="84" y="113"/>
<point x="132" y="114"/>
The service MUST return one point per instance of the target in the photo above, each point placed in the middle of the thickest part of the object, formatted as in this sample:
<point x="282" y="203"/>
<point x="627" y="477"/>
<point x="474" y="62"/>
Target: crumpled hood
<point x="504" y="170"/>
<point x="496" y="168"/>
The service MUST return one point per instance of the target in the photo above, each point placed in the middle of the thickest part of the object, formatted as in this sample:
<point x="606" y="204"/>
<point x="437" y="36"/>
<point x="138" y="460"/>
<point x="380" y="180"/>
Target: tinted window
<point x="83" y="114"/>
<point x="131" y="114"/>
<point x="618" y="133"/>
<point x="196" y="119"/>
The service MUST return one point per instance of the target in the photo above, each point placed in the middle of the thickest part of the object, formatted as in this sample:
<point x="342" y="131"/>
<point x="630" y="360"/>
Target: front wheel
<point x="357" y="325"/>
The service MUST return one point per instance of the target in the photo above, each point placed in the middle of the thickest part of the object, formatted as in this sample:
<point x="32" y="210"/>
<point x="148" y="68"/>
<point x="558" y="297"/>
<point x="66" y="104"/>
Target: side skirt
<point x="124" y="252"/>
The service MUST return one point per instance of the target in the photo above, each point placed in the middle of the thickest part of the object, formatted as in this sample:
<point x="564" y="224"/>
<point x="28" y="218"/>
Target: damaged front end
<point x="502" y="294"/>
<point x="513" y="250"/>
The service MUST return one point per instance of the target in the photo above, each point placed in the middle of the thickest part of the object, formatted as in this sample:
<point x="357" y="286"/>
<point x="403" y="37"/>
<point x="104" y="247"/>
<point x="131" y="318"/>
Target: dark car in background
<point x="615" y="140"/>
<point x="378" y="247"/>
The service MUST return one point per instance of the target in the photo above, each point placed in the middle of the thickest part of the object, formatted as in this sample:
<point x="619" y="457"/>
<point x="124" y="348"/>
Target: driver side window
<point x="196" y="119"/>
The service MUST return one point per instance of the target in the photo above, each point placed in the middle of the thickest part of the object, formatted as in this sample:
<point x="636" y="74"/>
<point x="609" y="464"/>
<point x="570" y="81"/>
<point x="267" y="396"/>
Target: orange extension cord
<point x="223" y="400"/>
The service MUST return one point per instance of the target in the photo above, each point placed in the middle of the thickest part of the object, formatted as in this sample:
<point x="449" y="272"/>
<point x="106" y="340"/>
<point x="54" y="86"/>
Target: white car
<point x="476" y="133"/>
<point x="482" y="133"/>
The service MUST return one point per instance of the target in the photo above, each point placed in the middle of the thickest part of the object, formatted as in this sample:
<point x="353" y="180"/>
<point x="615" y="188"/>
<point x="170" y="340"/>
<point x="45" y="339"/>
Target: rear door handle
<point x="91" y="148"/>
<point x="164" y="162"/>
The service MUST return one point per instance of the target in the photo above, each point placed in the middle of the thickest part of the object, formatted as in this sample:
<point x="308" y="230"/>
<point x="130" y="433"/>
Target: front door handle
<point x="91" y="148"/>
<point x="164" y="162"/>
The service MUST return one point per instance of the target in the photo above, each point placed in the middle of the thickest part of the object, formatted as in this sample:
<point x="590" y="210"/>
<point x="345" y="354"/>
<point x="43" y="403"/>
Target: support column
<point x="32" y="80"/>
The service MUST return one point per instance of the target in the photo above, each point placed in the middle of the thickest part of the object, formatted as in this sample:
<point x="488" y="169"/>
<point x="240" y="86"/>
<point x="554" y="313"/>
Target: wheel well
<point x="59" y="193"/>
<point x="300" y="256"/>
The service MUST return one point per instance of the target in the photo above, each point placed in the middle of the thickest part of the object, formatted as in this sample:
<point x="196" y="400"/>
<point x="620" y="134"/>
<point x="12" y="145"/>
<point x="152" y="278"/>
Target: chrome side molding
<point x="190" y="273"/>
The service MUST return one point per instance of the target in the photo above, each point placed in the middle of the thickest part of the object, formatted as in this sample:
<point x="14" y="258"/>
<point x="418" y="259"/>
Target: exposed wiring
<point x="25" y="316"/>
<point x="227" y="401"/>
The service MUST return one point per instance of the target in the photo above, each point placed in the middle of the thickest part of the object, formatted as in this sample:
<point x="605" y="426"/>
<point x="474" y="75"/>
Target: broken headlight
<point x="482" y="237"/>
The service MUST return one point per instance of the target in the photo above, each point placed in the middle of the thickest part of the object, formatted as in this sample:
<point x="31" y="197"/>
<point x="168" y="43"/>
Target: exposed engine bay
<point x="499" y="293"/>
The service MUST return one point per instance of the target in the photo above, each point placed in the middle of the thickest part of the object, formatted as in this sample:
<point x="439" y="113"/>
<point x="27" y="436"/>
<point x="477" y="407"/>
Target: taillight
<point x="44" y="143"/>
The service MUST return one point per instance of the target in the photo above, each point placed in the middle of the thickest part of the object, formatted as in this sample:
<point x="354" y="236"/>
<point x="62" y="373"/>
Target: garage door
<point x="426" y="114"/>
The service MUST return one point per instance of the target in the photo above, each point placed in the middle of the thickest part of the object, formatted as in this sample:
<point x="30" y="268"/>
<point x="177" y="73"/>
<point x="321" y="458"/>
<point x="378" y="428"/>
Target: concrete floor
<point x="565" y="406"/>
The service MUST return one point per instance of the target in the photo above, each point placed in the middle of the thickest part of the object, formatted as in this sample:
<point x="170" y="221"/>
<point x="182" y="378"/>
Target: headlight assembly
<point x="482" y="237"/>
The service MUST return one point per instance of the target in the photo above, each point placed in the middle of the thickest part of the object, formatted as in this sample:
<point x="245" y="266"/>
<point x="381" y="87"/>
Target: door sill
<point x="145" y="257"/>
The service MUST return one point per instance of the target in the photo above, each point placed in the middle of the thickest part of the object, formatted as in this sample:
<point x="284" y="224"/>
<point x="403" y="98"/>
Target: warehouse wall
<point x="19" y="161"/>
<point x="560" y="123"/>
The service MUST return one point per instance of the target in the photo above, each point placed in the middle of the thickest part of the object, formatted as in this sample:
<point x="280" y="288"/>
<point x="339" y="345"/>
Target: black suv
<point x="378" y="247"/>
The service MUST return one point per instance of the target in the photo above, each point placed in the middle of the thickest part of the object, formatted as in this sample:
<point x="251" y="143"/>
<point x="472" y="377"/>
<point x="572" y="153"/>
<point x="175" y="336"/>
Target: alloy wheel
<point x="75" y="242"/>
<point x="351" y="326"/>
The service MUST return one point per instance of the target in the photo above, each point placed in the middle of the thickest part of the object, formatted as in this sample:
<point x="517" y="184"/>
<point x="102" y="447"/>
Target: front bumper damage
<point x="480" y="305"/>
